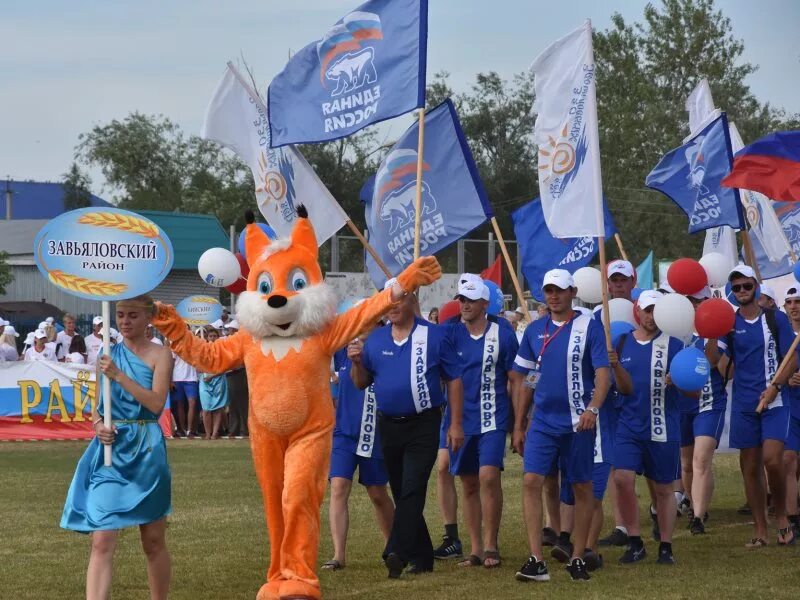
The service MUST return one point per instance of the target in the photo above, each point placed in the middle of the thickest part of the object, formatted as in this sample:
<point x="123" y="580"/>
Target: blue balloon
<point x="618" y="329"/>
<point x="265" y="228"/>
<point x="690" y="370"/>
<point x="635" y="293"/>
<point x="496" y="300"/>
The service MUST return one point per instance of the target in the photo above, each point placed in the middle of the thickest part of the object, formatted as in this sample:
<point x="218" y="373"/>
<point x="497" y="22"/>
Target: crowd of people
<point x="587" y="419"/>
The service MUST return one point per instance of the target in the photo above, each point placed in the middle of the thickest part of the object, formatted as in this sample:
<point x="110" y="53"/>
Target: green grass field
<point x="218" y="541"/>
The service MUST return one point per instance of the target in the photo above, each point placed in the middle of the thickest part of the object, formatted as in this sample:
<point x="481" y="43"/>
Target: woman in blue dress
<point x="136" y="489"/>
<point x="213" y="395"/>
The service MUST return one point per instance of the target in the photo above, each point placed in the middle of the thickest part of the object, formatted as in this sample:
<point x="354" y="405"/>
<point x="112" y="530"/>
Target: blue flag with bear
<point x="369" y="67"/>
<point x="453" y="202"/>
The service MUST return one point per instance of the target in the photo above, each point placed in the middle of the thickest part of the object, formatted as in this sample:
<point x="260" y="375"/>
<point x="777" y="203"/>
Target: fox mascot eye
<point x="298" y="280"/>
<point x="264" y="284"/>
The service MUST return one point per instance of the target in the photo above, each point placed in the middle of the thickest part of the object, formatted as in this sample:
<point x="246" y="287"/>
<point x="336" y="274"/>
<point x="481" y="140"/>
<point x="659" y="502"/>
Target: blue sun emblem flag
<point x="368" y="67"/>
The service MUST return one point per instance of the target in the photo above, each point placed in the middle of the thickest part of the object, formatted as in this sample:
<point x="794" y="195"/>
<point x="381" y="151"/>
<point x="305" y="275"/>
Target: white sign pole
<point x="106" y="313"/>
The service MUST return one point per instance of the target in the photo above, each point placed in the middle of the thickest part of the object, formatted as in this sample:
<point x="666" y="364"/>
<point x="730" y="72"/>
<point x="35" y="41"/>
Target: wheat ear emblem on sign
<point x="122" y="222"/>
<point x="85" y="286"/>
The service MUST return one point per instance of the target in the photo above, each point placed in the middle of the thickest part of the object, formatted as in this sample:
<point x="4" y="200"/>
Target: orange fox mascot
<point x="289" y="334"/>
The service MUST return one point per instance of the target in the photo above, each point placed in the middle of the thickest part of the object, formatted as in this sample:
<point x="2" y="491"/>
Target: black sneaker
<point x="415" y="569"/>
<point x="395" y="565"/>
<point x="593" y="560"/>
<point x="577" y="570"/>
<point x="533" y="570"/>
<point x="549" y="537"/>
<point x="632" y="556"/>
<point x="696" y="527"/>
<point x="665" y="556"/>
<point x="656" y="530"/>
<point x="615" y="538"/>
<point x="449" y="549"/>
<point x="562" y="552"/>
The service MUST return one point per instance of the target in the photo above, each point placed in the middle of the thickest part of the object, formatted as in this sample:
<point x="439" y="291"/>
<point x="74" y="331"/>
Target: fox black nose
<point x="276" y="301"/>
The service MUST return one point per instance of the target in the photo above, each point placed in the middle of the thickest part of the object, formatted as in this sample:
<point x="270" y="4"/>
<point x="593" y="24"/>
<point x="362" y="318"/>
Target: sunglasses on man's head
<point x="747" y="287"/>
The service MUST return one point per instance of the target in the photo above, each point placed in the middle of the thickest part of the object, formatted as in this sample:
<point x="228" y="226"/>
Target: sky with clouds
<point x="67" y="66"/>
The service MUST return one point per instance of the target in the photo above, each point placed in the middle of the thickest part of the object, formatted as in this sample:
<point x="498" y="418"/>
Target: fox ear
<point x="255" y="240"/>
<point x="303" y="233"/>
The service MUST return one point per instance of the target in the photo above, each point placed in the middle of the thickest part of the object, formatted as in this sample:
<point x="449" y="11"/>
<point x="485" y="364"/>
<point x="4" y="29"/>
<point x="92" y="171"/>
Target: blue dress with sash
<point x="137" y="488"/>
<point x="214" y="393"/>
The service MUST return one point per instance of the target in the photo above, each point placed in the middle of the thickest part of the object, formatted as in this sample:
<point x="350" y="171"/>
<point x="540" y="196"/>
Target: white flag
<point x="723" y="241"/>
<point x="237" y="118"/>
<point x="764" y="223"/>
<point x="570" y="183"/>
<point x="700" y="106"/>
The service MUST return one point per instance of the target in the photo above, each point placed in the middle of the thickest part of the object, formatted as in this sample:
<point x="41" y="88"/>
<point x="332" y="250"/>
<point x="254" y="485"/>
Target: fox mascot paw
<point x="289" y="333"/>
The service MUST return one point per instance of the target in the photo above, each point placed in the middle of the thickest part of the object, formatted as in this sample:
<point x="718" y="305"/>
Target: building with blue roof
<point x="35" y="199"/>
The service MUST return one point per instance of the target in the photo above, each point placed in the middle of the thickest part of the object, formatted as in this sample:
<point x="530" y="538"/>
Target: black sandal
<point x="491" y="555"/>
<point x="333" y="565"/>
<point x="756" y="543"/>
<point x="470" y="561"/>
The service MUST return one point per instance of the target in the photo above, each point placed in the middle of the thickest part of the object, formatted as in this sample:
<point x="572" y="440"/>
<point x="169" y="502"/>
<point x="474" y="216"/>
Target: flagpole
<point x="106" y="382"/>
<point x="620" y="246"/>
<point x="368" y="247"/>
<point x="749" y="255"/>
<point x="514" y="280"/>
<point x="418" y="199"/>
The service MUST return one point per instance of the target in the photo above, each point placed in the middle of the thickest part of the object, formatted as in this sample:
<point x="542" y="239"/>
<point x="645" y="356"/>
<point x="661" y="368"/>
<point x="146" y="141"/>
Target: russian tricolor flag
<point x="770" y="165"/>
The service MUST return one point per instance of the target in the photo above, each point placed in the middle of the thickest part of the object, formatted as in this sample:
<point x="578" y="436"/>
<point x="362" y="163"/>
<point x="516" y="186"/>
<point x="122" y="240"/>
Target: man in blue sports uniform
<point x="565" y="363"/>
<point x="759" y="413"/>
<point x="356" y="444"/>
<point x="408" y="362"/>
<point x="648" y="428"/>
<point x="487" y="351"/>
<point x="791" y="305"/>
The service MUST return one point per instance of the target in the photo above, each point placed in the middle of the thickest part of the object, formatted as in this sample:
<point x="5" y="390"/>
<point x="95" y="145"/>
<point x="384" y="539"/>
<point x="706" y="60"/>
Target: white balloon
<point x="674" y="315"/>
<point x="589" y="284"/>
<point x="621" y="310"/>
<point x="718" y="267"/>
<point x="219" y="267"/>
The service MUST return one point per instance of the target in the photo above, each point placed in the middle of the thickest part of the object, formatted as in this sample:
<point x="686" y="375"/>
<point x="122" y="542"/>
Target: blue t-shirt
<point x="573" y="352"/>
<point x="355" y="410"/>
<point x="487" y="360"/>
<point x="606" y="430"/>
<point x="651" y="411"/>
<point x="792" y="394"/>
<point x="408" y="376"/>
<point x="755" y="358"/>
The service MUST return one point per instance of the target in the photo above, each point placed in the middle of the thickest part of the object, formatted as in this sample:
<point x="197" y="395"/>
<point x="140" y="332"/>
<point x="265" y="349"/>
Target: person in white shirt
<point x="184" y="397"/>
<point x="8" y="343"/>
<point x="150" y="334"/>
<point x="64" y="338"/>
<point x="3" y="323"/>
<point x="40" y="350"/>
<point x="94" y="342"/>
<point x="76" y="353"/>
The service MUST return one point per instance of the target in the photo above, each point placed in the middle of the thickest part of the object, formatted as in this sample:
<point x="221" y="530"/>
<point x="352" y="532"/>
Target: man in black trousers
<point x="408" y="362"/>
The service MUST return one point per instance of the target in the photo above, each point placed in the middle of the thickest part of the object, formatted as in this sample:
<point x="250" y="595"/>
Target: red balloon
<point x="687" y="276"/>
<point x="714" y="318"/>
<point x="448" y="310"/>
<point x="240" y="285"/>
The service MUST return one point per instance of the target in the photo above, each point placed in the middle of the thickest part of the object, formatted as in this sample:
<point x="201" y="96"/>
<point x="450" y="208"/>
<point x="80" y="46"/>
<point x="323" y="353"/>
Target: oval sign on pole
<point x="199" y="310"/>
<point x="103" y="253"/>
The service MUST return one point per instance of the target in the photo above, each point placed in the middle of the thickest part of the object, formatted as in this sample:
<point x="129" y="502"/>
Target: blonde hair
<point x="51" y="332"/>
<point x="143" y="300"/>
<point x="9" y="339"/>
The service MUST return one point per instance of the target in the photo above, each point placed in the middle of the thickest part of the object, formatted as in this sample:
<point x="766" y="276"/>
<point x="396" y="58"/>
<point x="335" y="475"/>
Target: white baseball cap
<point x="743" y="271"/>
<point x="648" y="298"/>
<point x="792" y="293"/>
<point x="50" y="320"/>
<point x="471" y="286"/>
<point x="42" y="325"/>
<point x="4" y="323"/>
<point x="218" y="324"/>
<point x="389" y="283"/>
<point x="9" y="330"/>
<point x="233" y="324"/>
<point x="97" y="321"/>
<point x="621" y="267"/>
<point x="767" y="291"/>
<point x="29" y="339"/>
<point x="39" y="335"/>
<point x="666" y="287"/>
<point x="703" y="294"/>
<point x="559" y="278"/>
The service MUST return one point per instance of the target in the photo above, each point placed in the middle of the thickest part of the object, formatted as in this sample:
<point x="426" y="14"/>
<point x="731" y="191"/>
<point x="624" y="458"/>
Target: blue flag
<point x="453" y="203"/>
<point x="644" y="273"/>
<point x="540" y="251"/>
<point x="691" y="177"/>
<point x="369" y="67"/>
<point x="789" y="215"/>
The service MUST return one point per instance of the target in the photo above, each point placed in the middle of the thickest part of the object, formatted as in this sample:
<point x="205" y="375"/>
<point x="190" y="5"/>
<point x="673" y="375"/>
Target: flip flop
<point x="333" y="565"/>
<point x="756" y="543"/>
<point x="470" y="561"/>
<point x="783" y="533"/>
<point x="491" y="555"/>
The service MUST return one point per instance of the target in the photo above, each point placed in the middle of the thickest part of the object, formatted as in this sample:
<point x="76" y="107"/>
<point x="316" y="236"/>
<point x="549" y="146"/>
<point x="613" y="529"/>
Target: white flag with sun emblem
<point x="237" y="119"/>
<point x="570" y="184"/>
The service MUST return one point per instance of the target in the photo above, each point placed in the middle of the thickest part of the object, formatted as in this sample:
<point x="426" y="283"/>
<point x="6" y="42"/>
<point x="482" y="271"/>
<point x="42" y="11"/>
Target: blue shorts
<point x="793" y="439"/>
<point x="708" y="423"/>
<point x="600" y="473"/>
<point x="572" y="453"/>
<point x="482" y="450"/>
<point x="344" y="460"/>
<point x="750" y="430"/>
<point x="185" y="390"/>
<point x="658" y="461"/>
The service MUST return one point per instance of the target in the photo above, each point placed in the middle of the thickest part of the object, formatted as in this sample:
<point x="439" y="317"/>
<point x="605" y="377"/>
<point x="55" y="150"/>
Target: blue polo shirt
<point x="755" y="358"/>
<point x="356" y="409"/>
<point x="568" y="354"/>
<point x="651" y="412"/>
<point x="408" y="375"/>
<point x="487" y="359"/>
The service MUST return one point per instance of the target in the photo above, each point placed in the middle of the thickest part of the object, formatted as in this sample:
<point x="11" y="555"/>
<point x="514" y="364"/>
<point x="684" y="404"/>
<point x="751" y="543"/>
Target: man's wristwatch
<point x="777" y="386"/>
<point x="594" y="410"/>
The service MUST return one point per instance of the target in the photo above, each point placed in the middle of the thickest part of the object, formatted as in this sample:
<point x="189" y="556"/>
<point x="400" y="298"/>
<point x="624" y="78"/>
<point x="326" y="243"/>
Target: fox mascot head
<point x="286" y="295"/>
